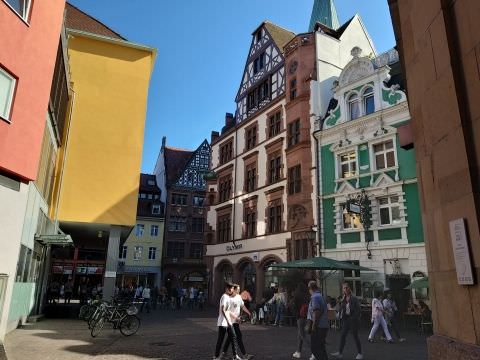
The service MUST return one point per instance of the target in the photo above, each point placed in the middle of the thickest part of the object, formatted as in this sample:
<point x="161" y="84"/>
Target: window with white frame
<point x="368" y="101"/>
<point x="154" y="230"/>
<point x="21" y="7"/>
<point x="139" y="230"/>
<point x="156" y="209"/>
<point x="152" y="253"/>
<point x="137" y="253"/>
<point x="347" y="164"/>
<point x="7" y="89"/>
<point x="349" y="221"/>
<point x="353" y="106"/>
<point x="389" y="209"/>
<point x="123" y="252"/>
<point x="384" y="153"/>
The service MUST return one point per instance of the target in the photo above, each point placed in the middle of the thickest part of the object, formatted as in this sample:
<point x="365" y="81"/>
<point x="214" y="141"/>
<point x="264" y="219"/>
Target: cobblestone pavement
<point x="180" y="335"/>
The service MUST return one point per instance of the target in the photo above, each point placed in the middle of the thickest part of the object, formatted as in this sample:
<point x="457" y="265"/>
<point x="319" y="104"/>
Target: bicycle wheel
<point x="94" y="317"/>
<point x="129" y="325"/>
<point x="84" y="310"/>
<point x="97" y="327"/>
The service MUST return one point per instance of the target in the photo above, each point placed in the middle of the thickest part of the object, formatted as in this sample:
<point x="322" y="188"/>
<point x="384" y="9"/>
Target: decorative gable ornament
<point x="356" y="69"/>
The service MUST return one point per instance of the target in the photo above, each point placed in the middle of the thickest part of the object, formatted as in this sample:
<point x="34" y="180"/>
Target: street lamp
<point x="359" y="204"/>
<point x="311" y="236"/>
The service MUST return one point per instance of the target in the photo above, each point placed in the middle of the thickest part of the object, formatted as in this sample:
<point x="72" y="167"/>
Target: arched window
<point x="353" y="106"/>
<point x="368" y="101"/>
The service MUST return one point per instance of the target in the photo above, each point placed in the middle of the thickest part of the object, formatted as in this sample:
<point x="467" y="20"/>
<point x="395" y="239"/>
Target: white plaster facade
<point x="12" y="214"/>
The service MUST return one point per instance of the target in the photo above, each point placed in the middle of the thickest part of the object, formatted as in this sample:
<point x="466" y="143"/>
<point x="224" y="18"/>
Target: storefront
<point x="132" y="276"/>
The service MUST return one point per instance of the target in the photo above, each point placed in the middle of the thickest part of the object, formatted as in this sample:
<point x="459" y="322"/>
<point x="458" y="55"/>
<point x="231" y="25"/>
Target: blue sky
<point x="202" y="47"/>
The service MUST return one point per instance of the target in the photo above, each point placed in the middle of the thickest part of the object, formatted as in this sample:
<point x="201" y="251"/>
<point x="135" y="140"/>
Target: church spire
<point x="324" y="12"/>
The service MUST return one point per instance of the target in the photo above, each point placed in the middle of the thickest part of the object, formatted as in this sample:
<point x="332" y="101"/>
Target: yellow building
<point x="140" y="258"/>
<point x="97" y="181"/>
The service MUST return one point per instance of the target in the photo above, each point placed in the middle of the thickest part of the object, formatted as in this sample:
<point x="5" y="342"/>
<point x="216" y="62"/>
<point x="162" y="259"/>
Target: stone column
<point x="112" y="262"/>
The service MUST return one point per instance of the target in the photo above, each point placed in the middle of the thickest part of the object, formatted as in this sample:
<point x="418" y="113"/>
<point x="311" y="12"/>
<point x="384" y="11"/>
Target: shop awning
<point x="320" y="263"/>
<point x="419" y="284"/>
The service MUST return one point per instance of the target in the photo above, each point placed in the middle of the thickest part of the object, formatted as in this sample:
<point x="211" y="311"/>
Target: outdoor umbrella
<point x="320" y="263"/>
<point x="419" y="284"/>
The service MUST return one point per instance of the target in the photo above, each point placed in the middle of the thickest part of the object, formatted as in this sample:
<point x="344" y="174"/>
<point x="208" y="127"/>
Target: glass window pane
<point x="395" y="214"/>
<point x="384" y="216"/>
<point x="380" y="161"/>
<point x="377" y="147"/>
<point x="389" y="144"/>
<point x="7" y="84"/>
<point x="354" y="110"/>
<point x="394" y="199"/>
<point x="390" y="159"/>
<point x="383" y="201"/>
<point x="369" y="105"/>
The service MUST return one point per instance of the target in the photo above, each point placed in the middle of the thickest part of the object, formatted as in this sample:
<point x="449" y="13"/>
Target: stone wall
<point x="439" y="44"/>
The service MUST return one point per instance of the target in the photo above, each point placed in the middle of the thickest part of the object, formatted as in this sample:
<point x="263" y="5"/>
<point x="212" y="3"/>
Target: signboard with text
<point x="461" y="252"/>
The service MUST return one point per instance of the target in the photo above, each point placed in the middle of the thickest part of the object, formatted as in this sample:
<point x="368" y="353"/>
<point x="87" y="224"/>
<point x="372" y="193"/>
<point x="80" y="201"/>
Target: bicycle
<point x="121" y="316"/>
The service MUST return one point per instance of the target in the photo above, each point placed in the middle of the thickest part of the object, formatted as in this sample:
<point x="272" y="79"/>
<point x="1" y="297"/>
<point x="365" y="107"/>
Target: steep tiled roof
<point x="175" y="161"/>
<point x="76" y="19"/>
<point x="280" y="35"/>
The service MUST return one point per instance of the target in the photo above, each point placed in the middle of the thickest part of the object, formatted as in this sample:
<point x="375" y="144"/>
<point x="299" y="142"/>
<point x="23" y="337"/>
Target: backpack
<point x="303" y="311"/>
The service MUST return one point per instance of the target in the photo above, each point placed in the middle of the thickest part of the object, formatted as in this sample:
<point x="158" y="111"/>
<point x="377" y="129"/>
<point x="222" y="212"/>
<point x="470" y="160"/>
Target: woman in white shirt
<point x="378" y="319"/>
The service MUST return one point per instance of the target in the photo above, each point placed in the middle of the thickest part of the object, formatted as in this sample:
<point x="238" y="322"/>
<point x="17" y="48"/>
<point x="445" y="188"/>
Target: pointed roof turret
<point x="324" y="12"/>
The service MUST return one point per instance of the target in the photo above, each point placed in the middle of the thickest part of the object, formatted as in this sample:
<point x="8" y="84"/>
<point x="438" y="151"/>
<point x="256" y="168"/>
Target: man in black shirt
<point x="350" y="314"/>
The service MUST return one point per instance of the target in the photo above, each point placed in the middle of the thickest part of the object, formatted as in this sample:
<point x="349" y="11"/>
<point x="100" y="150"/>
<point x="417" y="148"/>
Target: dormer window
<point x="368" y="101"/>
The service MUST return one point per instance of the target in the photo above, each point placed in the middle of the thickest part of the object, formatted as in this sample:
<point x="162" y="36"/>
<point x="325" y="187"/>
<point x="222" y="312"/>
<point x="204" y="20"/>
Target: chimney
<point x="229" y="120"/>
<point x="215" y="135"/>
<point x="164" y="142"/>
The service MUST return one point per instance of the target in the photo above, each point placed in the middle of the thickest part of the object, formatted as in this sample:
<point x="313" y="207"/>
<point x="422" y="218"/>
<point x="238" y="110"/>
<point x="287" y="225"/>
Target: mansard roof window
<point x="353" y="106"/>
<point x="368" y="101"/>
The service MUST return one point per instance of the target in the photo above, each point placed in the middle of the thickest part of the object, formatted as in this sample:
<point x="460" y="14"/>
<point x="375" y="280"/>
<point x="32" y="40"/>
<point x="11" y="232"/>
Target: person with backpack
<point x="301" y="299"/>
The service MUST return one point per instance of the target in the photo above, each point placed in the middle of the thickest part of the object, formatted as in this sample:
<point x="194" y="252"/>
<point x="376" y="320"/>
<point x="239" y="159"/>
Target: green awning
<point x="320" y="263"/>
<point x="419" y="284"/>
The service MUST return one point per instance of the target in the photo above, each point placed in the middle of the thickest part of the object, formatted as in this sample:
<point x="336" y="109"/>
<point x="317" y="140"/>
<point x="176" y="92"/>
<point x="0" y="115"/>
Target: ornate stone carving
<point x="296" y="214"/>
<point x="357" y="69"/>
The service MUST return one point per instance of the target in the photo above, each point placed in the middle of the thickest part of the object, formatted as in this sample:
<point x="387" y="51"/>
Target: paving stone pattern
<point x="181" y="335"/>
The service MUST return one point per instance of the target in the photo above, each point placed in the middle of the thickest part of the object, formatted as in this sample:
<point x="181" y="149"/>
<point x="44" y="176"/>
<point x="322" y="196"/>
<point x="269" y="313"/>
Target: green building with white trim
<point x="359" y="150"/>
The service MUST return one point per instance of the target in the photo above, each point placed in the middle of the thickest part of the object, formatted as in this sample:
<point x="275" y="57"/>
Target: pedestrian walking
<point x="146" y="293"/>
<point x="279" y="301"/>
<point x="235" y="307"/>
<point x="68" y="291"/>
<point x="349" y="313"/>
<point x="224" y="324"/>
<point x="391" y="309"/>
<point x="378" y="319"/>
<point x="317" y="322"/>
<point x="301" y="299"/>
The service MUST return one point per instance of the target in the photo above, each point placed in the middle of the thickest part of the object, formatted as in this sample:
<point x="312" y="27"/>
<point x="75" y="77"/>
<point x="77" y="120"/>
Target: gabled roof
<point x="324" y="12"/>
<point x="78" y="20"/>
<point x="280" y="36"/>
<point x="175" y="161"/>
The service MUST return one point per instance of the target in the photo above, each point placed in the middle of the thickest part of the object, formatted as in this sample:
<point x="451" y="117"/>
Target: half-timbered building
<point x="180" y="176"/>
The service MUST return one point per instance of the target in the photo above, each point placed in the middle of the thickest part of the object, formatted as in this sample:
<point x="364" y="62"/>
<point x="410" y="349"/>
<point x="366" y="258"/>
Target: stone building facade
<point x="360" y="155"/>
<point x="439" y="44"/>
